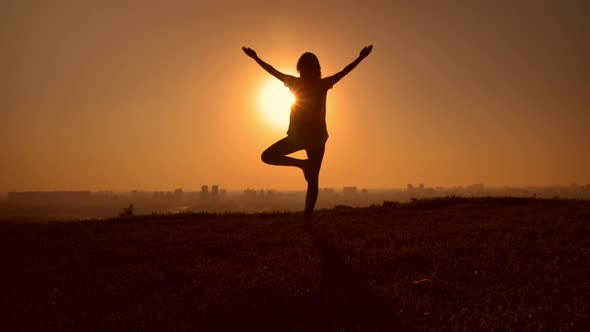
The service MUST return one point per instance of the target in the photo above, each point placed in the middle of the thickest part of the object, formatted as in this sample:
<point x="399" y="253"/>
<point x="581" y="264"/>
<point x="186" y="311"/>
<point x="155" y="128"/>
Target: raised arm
<point x="270" y="69"/>
<point x="338" y="76"/>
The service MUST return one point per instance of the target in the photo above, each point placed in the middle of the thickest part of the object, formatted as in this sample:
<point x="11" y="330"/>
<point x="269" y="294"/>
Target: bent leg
<point x="314" y="163"/>
<point x="276" y="154"/>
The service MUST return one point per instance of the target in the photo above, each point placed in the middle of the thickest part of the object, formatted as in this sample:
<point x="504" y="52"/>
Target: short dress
<point x="307" y="122"/>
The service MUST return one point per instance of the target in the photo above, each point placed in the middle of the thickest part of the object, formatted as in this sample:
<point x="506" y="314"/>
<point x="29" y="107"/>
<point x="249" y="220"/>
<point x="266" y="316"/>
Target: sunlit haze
<point x="275" y="103"/>
<point x="158" y="95"/>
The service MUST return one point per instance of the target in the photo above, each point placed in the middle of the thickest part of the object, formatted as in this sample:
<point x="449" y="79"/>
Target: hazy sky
<point x="157" y="95"/>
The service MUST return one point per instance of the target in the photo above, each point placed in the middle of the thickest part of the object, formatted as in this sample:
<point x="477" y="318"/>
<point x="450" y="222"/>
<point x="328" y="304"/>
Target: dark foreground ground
<point x="481" y="264"/>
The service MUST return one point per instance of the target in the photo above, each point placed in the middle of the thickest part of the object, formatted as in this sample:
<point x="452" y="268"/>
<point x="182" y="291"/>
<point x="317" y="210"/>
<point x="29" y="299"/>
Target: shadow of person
<point x="340" y="302"/>
<point x="346" y="299"/>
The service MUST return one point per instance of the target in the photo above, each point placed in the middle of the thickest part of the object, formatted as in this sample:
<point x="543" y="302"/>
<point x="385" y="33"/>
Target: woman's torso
<point x="307" y="123"/>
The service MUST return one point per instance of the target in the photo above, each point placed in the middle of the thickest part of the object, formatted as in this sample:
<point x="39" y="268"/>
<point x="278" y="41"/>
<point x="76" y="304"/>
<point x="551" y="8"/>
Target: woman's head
<point x="308" y="66"/>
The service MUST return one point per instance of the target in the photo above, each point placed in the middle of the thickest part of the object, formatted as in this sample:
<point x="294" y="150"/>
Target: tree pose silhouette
<point x="307" y="124"/>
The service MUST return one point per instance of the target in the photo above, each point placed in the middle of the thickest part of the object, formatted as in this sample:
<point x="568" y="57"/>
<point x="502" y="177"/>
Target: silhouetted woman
<point x="307" y="124"/>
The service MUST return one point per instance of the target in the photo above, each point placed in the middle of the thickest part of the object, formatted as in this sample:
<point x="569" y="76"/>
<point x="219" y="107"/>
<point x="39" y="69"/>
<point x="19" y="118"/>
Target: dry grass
<point x="485" y="264"/>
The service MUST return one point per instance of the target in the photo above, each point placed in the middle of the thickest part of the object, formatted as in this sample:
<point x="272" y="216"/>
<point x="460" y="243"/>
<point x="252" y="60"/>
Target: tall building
<point x="214" y="191"/>
<point x="178" y="193"/>
<point x="204" y="191"/>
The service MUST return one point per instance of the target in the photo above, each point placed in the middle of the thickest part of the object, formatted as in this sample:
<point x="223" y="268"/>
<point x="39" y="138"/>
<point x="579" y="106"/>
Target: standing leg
<point x="277" y="153"/>
<point x="312" y="174"/>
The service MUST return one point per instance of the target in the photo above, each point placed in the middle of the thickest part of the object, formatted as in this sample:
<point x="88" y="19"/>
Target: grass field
<point x="440" y="264"/>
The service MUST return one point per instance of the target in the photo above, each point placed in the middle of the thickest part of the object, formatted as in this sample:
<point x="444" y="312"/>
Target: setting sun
<point x="275" y="103"/>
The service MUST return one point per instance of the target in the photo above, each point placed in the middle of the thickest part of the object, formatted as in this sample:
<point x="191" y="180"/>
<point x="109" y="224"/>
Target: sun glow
<point x="275" y="103"/>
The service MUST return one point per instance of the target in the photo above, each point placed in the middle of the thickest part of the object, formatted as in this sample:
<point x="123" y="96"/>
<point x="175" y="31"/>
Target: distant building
<point x="328" y="194"/>
<point x="204" y="191"/>
<point x="410" y="187"/>
<point x="349" y="192"/>
<point x="214" y="191"/>
<point x="250" y="193"/>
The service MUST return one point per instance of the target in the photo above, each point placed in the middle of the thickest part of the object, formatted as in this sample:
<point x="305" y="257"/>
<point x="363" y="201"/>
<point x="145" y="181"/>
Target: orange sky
<point x="157" y="95"/>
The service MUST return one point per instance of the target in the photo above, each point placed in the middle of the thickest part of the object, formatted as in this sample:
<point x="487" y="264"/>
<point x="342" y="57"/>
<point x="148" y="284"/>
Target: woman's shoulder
<point x="327" y="83"/>
<point x="291" y="81"/>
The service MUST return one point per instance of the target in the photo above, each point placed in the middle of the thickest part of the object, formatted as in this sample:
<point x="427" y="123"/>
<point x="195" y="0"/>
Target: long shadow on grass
<point x="345" y="300"/>
<point x="341" y="302"/>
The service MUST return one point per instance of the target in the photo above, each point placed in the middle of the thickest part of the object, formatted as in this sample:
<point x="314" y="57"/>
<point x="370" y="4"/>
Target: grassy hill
<point x="439" y="264"/>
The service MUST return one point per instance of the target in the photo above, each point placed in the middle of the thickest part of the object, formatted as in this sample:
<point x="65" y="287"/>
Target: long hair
<point x="308" y="66"/>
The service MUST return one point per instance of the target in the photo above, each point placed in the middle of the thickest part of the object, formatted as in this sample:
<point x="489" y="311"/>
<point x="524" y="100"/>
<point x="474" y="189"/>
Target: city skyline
<point x="220" y="188"/>
<point x="78" y="205"/>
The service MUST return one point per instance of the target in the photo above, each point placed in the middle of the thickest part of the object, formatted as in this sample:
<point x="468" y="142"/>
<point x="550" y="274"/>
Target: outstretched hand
<point x="366" y="51"/>
<point x="249" y="52"/>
